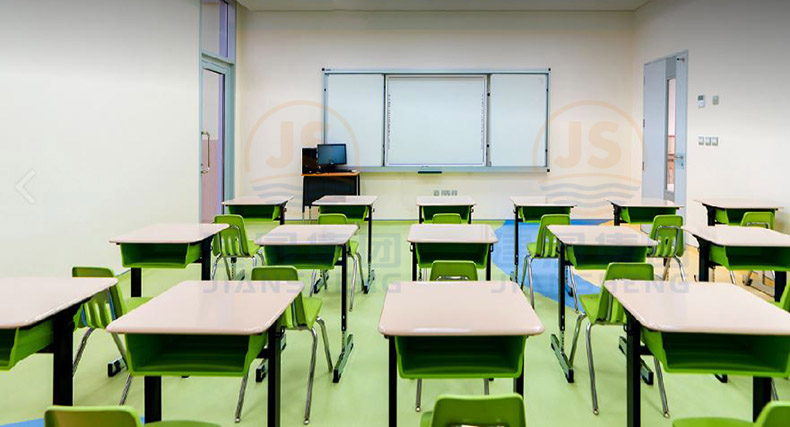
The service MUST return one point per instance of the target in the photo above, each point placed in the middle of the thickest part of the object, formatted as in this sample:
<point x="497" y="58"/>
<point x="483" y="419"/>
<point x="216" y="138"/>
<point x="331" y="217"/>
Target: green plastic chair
<point x="450" y="411"/>
<point x="302" y="316"/>
<point x="545" y="247"/>
<point x="667" y="230"/>
<point x="232" y="243"/>
<point x="755" y="219"/>
<point x="775" y="414"/>
<point x="449" y="271"/>
<point x="99" y="312"/>
<point x="108" y="416"/>
<point x="604" y="309"/>
<point x="447" y="218"/>
<point x="353" y="249"/>
<point x="453" y="270"/>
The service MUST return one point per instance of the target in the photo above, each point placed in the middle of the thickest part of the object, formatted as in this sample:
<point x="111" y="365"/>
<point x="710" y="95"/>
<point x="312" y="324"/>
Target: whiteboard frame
<point x="439" y="72"/>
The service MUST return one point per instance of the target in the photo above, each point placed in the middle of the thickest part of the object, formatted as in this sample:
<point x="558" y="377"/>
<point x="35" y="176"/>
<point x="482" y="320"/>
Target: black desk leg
<point x="616" y="210"/>
<point x="780" y="281"/>
<point x="558" y="343"/>
<point x="704" y="261"/>
<point x="633" y="364"/>
<point x="761" y="395"/>
<point x="393" y="384"/>
<point x="205" y="258"/>
<point x="471" y="209"/>
<point x="515" y="246"/>
<point x="711" y="211"/>
<point x="518" y="383"/>
<point x="488" y="262"/>
<point x="282" y="214"/>
<point x="153" y="399"/>
<point x="137" y="282"/>
<point x="419" y="215"/>
<point x="366" y="284"/>
<point x="348" y="339"/>
<point x="275" y="370"/>
<point x="62" y="351"/>
<point x="413" y="262"/>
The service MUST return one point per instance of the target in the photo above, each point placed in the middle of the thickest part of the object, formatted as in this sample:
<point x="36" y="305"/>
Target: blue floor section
<point x="31" y="423"/>
<point x="544" y="272"/>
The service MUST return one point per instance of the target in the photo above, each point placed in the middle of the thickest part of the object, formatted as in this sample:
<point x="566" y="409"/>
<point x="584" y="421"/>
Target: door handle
<point x="680" y="160"/>
<point x="205" y="169"/>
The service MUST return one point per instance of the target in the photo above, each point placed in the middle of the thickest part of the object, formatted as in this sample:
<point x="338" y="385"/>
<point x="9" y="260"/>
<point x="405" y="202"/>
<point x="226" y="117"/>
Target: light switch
<point x="701" y="140"/>
<point x="707" y="140"/>
<point x="701" y="101"/>
<point x="714" y="140"/>
<point x="715" y="99"/>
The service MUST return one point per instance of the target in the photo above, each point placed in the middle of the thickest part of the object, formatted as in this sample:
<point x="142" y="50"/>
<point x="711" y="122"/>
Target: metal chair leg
<point x="312" y="283"/>
<point x="418" y="403"/>
<point x="228" y="270"/>
<point x="321" y="323"/>
<point x="80" y="350"/>
<point x="486" y="389"/>
<point x="574" y="290"/>
<point x="774" y="394"/>
<point x="524" y="272"/>
<point x="531" y="283"/>
<point x="680" y="267"/>
<point x="732" y="277"/>
<point x="576" y="331"/>
<point x="661" y="388"/>
<point x="591" y="366"/>
<point x="125" y="391"/>
<point x="214" y="268"/>
<point x="310" y="378"/>
<point x="354" y="264"/>
<point x="240" y="402"/>
<point x="119" y="345"/>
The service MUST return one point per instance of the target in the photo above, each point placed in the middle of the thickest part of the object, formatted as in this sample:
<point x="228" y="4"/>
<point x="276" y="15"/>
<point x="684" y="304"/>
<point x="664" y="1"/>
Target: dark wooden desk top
<point x="355" y="173"/>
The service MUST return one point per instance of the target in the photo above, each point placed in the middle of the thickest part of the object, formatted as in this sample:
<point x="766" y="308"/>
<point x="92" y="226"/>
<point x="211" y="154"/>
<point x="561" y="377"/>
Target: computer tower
<point x="309" y="160"/>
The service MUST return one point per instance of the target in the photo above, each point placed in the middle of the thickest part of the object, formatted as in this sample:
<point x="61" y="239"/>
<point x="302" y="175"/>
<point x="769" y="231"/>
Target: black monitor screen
<point x="331" y="154"/>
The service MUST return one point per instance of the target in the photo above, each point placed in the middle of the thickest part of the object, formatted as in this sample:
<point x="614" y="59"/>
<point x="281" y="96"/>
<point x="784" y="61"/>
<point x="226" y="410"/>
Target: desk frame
<point x="366" y="283"/>
<point x="415" y="267"/>
<point x="205" y="267"/>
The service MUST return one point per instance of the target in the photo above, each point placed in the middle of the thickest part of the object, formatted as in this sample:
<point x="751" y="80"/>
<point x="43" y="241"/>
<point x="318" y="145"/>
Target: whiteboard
<point x="354" y="116"/>
<point x="436" y="120"/>
<point x="519" y="107"/>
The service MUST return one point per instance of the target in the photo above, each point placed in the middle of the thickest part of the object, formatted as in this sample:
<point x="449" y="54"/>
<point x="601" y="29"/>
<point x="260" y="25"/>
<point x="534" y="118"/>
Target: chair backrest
<point x="75" y="416"/>
<point x="547" y="242"/>
<point x="284" y="273"/>
<point x="503" y="410"/>
<point x="609" y="310"/>
<point x="447" y="218"/>
<point x="100" y="310"/>
<point x="453" y="270"/>
<point x="232" y="241"/>
<point x="775" y="414"/>
<point x="332" y="219"/>
<point x="667" y="230"/>
<point x="758" y="219"/>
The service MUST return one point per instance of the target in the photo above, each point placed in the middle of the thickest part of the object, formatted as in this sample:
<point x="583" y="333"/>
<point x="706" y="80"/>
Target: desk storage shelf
<point x="192" y="355"/>
<point x="460" y="357"/>
<point x="751" y="258"/>
<point x="599" y="257"/>
<point x="159" y="255"/>
<point x="534" y="213"/>
<point x="734" y="216"/>
<point x="17" y="344"/>
<point x="643" y="214"/>
<point x="303" y="257"/>
<point x="429" y="211"/>
<point x="427" y="253"/>
<point x="255" y="212"/>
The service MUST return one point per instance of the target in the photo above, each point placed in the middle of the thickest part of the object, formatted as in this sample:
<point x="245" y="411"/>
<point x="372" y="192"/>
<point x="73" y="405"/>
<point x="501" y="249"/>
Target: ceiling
<point x="442" y="5"/>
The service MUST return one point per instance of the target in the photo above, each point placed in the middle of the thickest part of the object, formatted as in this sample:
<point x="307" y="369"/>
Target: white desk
<point x="204" y="308"/>
<point x="321" y="235"/>
<point x="600" y="235"/>
<point x="350" y="206"/>
<point x="26" y="302"/>
<point x="438" y="311"/>
<point x="693" y="308"/>
<point x="151" y="239"/>
<point x="470" y="236"/>
<point x="463" y="205"/>
<point x="730" y="210"/>
<point x="254" y="207"/>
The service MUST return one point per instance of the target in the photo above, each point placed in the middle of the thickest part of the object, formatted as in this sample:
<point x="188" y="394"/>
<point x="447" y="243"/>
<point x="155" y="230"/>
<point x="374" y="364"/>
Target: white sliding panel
<point x="355" y="116"/>
<point x="436" y="120"/>
<point x="518" y="115"/>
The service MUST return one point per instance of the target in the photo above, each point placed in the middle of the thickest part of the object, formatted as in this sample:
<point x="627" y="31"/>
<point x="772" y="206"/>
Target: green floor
<point x="361" y="397"/>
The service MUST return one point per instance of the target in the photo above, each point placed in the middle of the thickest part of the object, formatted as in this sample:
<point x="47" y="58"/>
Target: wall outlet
<point x="445" y="192"/>
<point x="714" y="140"/>
<point x="707" y="140"/>
<point x="701" y="140"/>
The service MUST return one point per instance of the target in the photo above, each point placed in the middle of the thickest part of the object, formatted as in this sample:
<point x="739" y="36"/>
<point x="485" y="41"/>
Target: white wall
<point x="100" y="110"/>
<point x="590" y="54"/>
<point x="737" y="50"/>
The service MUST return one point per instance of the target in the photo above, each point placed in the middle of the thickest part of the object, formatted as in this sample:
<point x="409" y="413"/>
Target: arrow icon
<point x="20" y="186"/>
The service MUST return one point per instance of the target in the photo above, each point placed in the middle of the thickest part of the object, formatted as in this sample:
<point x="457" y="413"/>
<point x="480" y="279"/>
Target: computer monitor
<point x="331" y="155"/>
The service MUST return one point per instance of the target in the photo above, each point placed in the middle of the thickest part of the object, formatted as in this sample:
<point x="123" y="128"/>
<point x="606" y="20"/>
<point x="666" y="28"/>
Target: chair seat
<point x="177" y="423"/>
<point x="312" y="308"/>
<point x="590" y="304"/>
<point x="711" y="422"/>
<point x="425" y="420"/>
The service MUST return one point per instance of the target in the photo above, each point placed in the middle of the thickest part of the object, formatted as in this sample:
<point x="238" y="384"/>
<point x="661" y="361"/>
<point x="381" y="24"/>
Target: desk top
<point x="29" y="300"/>
<point x="600" y="235"/>
<point x="308" y="234"/>
<point x="211" y="308"/>
<point x="451" y="233"/>
<point x="347" y="173"/>
<point x="445" y="201"/>
<point x="457" y="309"/>
<point x="644" y="202"/>
<point x="733" y="235"/>
<point x="695" y="307"/>
<point x="737" y="203"/>
<point x="345" y="201"/>
<point x="258" y="201"/>
<point x="537" y="201"/>
<point x="170" y="233"/>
